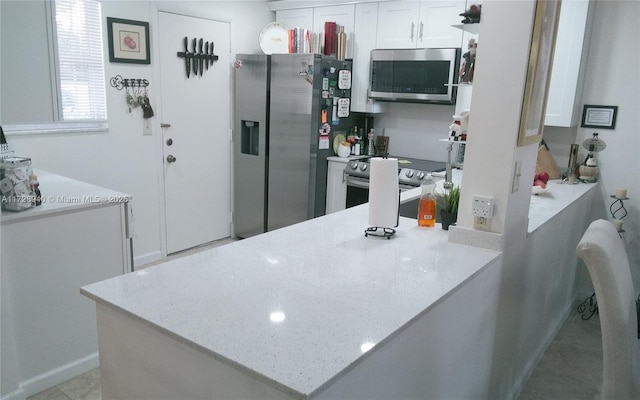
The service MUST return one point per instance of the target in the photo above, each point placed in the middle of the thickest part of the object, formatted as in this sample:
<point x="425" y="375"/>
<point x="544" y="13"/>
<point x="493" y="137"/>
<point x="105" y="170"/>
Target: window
<point x="79" y="61"/>
<point x="55" y="83"/>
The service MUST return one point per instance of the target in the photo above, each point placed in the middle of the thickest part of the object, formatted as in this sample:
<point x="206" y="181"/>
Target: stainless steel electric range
<point x="411" y="173"/>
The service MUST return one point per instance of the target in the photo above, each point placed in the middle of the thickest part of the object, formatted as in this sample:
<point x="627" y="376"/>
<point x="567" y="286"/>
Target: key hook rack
<point x="120" y="83"/>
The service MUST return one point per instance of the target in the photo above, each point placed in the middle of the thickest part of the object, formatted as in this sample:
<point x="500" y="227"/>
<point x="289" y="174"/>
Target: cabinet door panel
<point x="366" y="16"/>
<point x="436" y="18"/>
<point x="336" y="187"/>
<point x="296" y="18"/>
<point x="397" y="24"/>
<point x="341" y="15"/>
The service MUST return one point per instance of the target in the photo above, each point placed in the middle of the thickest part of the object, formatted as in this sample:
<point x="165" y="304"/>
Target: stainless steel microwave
<point x="414" y="75"/>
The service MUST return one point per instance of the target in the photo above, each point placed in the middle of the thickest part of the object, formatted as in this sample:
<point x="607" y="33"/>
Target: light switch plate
<point x="517" y="173"/>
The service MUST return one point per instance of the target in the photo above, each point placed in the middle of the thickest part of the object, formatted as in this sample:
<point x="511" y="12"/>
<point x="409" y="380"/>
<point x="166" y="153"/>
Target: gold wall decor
<point x="534" y="104"/>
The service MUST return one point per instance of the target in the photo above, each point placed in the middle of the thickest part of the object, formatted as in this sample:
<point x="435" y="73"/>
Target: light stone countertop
<point x="61" y="194"/>
<point x="315" y="296"/>
<point x="559" y="196"/>
<point x="543" y="206"/>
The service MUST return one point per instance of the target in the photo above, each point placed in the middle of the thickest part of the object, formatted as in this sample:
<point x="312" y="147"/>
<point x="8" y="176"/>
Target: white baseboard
<point x="53" y="377"/>
<point x="147" y="259"/>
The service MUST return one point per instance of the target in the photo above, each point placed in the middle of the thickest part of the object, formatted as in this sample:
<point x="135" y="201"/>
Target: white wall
<point x="610" y="79"/>
<point x="123" y="158"/>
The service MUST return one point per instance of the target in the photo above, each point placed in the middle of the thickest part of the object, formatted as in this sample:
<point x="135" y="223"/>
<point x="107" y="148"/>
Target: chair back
<point x="603" y="252"/>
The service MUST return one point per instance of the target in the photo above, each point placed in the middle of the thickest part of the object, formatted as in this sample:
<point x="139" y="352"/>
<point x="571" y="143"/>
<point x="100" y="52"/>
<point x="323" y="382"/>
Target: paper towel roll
<point x="384" y="198"/>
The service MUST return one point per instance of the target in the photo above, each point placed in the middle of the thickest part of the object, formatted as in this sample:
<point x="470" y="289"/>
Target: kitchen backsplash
<point x="415" y="130"/>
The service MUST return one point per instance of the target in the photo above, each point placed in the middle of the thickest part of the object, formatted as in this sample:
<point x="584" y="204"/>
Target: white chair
<point x="604" y="254"/>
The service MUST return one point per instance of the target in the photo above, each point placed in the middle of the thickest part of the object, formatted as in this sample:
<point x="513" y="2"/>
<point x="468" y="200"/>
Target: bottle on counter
<point x="370" y="148"/>
<point x="427" y="203"/>
<point x="357" y="146"/>
<point x="34" y="185"/>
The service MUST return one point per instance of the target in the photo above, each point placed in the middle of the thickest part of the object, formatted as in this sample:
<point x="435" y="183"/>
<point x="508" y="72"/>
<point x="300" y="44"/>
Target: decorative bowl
<point x="539" y="189"/>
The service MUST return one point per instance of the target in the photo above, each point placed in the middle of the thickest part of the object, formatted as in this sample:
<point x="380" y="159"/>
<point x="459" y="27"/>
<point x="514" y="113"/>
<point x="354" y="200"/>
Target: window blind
<point x="80" y="60"/>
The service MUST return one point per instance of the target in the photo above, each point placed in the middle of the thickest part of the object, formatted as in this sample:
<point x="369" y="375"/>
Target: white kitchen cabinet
<point x="342" y="15"/>
<point x="79" y="235"/>
<point x="365" y="27"/>
<point x="336" y="185"/>
<point x="296" y="18"/>
<point x="397" y="24"/>
<point x="435" y="24"/>
<point x="314" y="18"/>
<point x="572" y="43"/>
<point x="418" y="24"/>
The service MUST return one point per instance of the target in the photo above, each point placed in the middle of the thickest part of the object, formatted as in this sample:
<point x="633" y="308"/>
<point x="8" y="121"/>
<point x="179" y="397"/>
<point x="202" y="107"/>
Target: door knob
<point x="171" y="158"/>
<point x="169" y="142"/>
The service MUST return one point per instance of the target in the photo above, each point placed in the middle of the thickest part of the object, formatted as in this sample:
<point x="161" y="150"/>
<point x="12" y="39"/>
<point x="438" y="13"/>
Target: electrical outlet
<point x="482" y="206"/>
<point x="481" y="223"/>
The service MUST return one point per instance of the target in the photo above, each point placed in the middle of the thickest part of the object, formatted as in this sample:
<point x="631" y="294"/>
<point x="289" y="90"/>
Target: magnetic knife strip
<point x="199" y="58"/>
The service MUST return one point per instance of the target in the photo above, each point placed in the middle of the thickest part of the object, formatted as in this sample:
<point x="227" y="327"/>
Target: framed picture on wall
<point x="128" y="41"/>
<point x="599" y="116"/>
<point x="534" y="103"/>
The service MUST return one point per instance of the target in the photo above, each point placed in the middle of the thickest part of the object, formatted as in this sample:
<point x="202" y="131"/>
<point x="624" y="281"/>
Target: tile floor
<point x="571" y="368"/>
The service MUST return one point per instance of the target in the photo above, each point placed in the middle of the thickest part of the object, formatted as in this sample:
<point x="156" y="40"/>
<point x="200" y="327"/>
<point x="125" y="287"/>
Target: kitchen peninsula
<point x="313" y="310"/>
<point x="79" y="235"/>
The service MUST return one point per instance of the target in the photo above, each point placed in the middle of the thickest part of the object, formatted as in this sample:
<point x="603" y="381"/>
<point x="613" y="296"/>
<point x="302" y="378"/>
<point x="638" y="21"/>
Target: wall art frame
<point x="128" y="41"/>
<point x="603" y="117"/>
<point x="534" y="104"/>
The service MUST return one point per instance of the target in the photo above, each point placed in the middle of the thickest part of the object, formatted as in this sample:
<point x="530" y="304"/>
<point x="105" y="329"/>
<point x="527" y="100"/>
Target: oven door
<point x="358" y="190"/>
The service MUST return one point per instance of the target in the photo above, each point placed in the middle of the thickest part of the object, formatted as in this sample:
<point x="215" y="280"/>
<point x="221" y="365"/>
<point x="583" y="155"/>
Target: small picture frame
<point x="128" y="41"/>
<point x="603" y="117"/>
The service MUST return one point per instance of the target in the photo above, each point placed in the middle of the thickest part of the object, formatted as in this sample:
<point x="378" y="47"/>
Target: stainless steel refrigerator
<point x="285" y="124"/>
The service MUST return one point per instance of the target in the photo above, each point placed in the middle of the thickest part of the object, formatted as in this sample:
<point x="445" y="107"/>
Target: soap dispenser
<point x="427" y="203"/>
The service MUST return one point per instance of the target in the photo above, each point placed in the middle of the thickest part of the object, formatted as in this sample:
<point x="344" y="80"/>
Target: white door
<point x="196" y="137"/>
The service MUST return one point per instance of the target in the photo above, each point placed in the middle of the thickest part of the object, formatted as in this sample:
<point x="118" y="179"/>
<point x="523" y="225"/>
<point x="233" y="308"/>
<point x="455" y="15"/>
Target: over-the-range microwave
<point x="414" y="75"/>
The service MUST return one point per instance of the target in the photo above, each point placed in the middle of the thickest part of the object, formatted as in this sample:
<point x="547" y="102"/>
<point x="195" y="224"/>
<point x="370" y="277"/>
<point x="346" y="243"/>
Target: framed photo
<point x="599" y="116"/>
<point x="128" y="41"/>
<point x="534" y="103"/>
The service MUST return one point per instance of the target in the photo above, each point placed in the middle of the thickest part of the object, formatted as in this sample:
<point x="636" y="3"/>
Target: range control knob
<point x="409" y="173"/>
<point x="420" y="175"/>
<point x="354" y="165"/>
<point x="363" y="167"/>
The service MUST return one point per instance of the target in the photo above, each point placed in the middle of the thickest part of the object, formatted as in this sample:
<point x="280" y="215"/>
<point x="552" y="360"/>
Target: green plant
<point x="451" y="200"/>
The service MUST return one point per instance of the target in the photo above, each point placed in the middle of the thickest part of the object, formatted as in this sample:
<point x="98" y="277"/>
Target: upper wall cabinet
<point x="570" y="55"/>
<point x="417" y="24"/>
<point x="296" y="18"/>
<point x="341" y="15"/>
<point x="314" y="19"/>
<point x="366" y="17"/>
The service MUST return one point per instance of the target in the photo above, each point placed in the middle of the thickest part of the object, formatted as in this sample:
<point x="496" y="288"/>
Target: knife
<point x="211" y="59"/>
<point x="187" y="61"/>
<point x="195" y="61"/>
<point x="200" y="56"/>
<point x="206" y="55"/>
